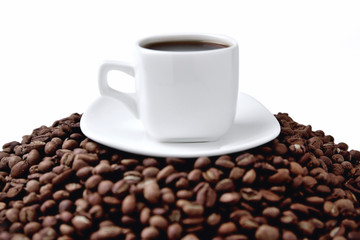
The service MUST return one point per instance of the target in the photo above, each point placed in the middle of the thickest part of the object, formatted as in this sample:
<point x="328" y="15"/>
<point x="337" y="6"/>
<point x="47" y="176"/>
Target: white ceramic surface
<point x="109" y="122"/>
<point x="171" y="87"/>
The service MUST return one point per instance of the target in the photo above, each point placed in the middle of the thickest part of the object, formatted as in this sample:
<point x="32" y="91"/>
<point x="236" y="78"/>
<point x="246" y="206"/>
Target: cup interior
<point x="194" y="42"/>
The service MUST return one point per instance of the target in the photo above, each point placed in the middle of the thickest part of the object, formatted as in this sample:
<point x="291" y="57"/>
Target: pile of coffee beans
<point x="58" y="184"/>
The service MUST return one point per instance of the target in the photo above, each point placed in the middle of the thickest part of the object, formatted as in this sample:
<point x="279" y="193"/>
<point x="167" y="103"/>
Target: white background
<point x="299" y="57"/>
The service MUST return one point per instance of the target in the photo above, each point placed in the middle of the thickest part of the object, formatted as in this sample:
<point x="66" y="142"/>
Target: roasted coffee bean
<point x="12" y="215"/>
<point x="129" y="204"/>
<point x="202" y="162"/>
<point x="267" y="232"/>
<point x="271" y="212"/>
<point x="225" y="185"/>
<point x="206" y="196"/>
<point x="174" y="231"/>
<point x="236" y="173"/>
<point x="27" y="214"/>
<point x="150" y="233"/>
<point x="224" y="163"/>
<point x="159" y="222"/>
<point x="105" y="187"/>
<point x="195" y="175"/>
<point x="165" y="172"/>
<point x="212" y="175"/>
<point x="120" y="187"/>
<point x="93" y="181"/>
<point x="281" y="176"/>
<point x="32" y="186"/>
<point x="193" y="209"/>
<point x="151" y="191"/>
<point x="58" y="184"/>
<point x="81" y="223"/>
<point x="249" y="177"/>
<point x="245" y="160"/>
<point x="19" y="169"/>
<point x="31" y="228"/>
<point x="230" y="198"/>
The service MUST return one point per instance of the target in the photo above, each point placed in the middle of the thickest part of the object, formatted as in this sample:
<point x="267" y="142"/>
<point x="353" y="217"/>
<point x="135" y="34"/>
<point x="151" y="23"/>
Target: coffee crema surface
<point x="184" y="46"/>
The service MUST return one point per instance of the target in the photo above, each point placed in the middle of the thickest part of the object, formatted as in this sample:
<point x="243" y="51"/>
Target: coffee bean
<point x="87" y="157"/>
<point x="195" y="175"/>
<point x="150" y="233"/>
<point x="250" y="194"/>
<point x="102" y="169"/>
<point x="230" y="198"/>
<point x="47" y="206"/>
<point x="245" y="160"/>
<point x="267" y="232"/>
<point x="271" y="212"/>
<point x="184" y="194"/>
<point x="227" y="228"/>
<point x="192" y="221"/>
<point x="280" y="148"/>
<point x="31" y="228"/>
<point x="93" y="181"/>
<point x="66" y="229"/>
<point x="49" y="221"/>
<point x="120" y="187"/>
<point x="213" y="219"/>
<point x="45" y="165"/>
<point x="202" y="162"/>
<point x="236" y="173"/>
<point x="248" y="223"/>
<point x="224" y="163"/>
<point x="150" y="172"/>
<point x="105" y="186"/>
<point x="27" y="214"/>
<point x="159" y="222"/>
<point x="225" y="185"/>
<point x="63" y="177"/>
<point x="67" y="159"/>
<point x="175" y="161"/>
<point x="296" y="168"/>
<point x="206" y="196"/>
<point x="132" y="177"/>
<point x="165" y="172"/>
<point x="107" y="232"/>
<point x="74" y="188"/>
<point x="84" y="172"/>
<point x="174" y="231"/>
<point x="212" y="175"/>
<point x="12" y="215"/>
<point x="81" y="223"/>
<point x="32" y="186"/>
<point x="281" y="176"/>
<point x="249" y="177"/>
<point x="151" y="191"/>
<point x="19" y="169"/>
<point x="193" y="209"/>
<point x="129" y="204"/>
<point x="69" y="144"/>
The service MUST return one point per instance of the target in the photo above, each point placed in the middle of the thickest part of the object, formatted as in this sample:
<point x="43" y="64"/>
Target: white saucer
<point x="109" y="122"/>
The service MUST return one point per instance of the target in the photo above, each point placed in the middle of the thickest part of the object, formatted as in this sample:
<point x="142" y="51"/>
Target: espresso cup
<point x="186" y="86"/>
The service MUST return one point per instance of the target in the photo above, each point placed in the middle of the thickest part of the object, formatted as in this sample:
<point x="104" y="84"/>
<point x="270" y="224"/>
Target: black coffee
<point x="184" y="46"/>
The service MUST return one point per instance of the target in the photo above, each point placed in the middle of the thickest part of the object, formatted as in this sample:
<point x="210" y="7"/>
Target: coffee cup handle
<point x="105" y="90"/>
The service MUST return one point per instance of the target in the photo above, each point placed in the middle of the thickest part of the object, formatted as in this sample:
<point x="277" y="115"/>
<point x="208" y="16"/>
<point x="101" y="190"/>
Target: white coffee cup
<point x="181" y="95"/>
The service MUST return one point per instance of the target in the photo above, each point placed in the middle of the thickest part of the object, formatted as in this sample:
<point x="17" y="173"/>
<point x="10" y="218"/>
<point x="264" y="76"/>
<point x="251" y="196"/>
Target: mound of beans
<point x="58" y="184"/>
